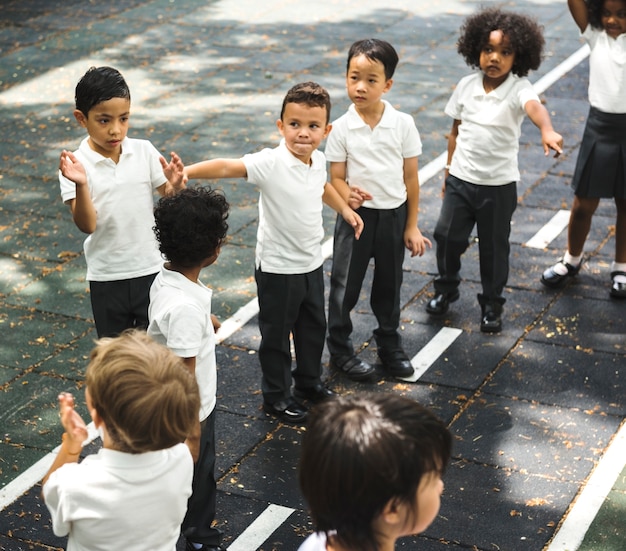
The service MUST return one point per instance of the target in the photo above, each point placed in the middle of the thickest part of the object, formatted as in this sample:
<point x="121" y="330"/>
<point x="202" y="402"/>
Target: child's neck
<point x="371" y="114"/>
<point x="490" y="84"/>
<point x="192" y="274"/>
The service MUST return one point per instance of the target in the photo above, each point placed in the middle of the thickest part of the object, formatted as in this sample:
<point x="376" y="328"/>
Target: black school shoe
<point x="491" y="321"/>
<point x="352" y="367"/>
<point x="395" y="362"/>
<point x="205" y="547"/>
<point x="618" y="290"/>
<point x="316" y="393"/>
<point x="439" y="304"/>
<point x="550" y="278"/>
<point x="288" y="411"/>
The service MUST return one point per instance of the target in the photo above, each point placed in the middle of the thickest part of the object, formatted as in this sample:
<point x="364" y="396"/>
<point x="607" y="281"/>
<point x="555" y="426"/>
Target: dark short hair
<point x="523" y="32"/>
<point x="99" y="84"/>
<point x="361" y="451"/>
<point x="190" y="225"/>
<point x="377" y="50"/>
<point x="309" y="93"/>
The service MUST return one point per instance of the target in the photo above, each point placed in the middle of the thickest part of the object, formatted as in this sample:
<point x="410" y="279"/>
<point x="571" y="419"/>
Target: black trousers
<point x="201" y="505"/>
<point x="119" y="305"/>
<point x="490" y="208"/>
<point x="290" y="304"/>
<point x="383" y="240"/>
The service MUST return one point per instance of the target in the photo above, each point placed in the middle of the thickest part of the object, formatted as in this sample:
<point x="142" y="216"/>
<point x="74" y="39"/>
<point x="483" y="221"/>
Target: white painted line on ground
<point x="572" y="532"/>
<point x="561" y="69"/>
<point x="432" y="168"/>
<point x="550" y="231"/>
<point x="32" y="475"/>
<point x="262" y="528"/>
<point x="35" y="473"/>
<point x="432" y="351"/>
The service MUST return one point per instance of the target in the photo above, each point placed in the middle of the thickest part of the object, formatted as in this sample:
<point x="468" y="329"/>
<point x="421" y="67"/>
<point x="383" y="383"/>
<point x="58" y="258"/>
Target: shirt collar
<point x="93" y="156"/>
<point x="388" y="120"/>
<point x="500" y="92"/>
<point x="293" y="162"/>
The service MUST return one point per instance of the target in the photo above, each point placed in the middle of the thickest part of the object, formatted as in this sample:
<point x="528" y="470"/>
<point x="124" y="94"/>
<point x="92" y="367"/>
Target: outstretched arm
<point x="73" y="437"/>
<point x="334" y="200"/>
<point x="215" y="169"/>
<point x="540" y="117"/>
<point x="578" y="9"/>
<point x="414" y="241"/>
<point x="83" y="211"/>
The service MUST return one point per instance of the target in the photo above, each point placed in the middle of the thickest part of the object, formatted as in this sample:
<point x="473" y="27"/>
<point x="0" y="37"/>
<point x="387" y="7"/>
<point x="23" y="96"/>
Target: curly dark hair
<point x="594" y="8"/>
<point x="523" y="32"/>
<point x="191" y="225"/>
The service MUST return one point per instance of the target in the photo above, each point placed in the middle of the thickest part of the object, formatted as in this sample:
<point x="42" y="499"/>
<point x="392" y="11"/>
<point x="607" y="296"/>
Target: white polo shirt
<point x="488" y="141"/>
<point x="123" y="246"/>
<point x="607" y="70"/>
<point x="180" y="318"/>
<point x="375" y="157"/>
<point x="114" y="500"/>
<point x="290" y="233"/>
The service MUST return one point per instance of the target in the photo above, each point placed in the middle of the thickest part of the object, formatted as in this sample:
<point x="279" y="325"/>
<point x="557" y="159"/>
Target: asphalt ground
<point x="535" y="410"/>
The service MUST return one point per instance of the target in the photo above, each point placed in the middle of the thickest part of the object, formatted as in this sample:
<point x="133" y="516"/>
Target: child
<point x="488" y="108"/>
<point x="190" y="228"/>
<point x="144" y="402"/>
<point x="373" y="153"/>
<point x="108" y="184"/>
<point x="601" y="166"/>
<point x="289" y="276"/>
<point x="370" y="471"/>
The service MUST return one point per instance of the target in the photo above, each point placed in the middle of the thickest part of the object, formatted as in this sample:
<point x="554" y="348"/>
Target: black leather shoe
<point x="288" y="411"/>
<point x="353" y="367"/>
<point x="550" y="278"/>
<point x="395" y="362"/>
<point x="618" y="290"/>
<point x="491" y="321"/>
<point x="438" y="305"/>
<point x="205" y="547"/>
<point x="315" y="394"/>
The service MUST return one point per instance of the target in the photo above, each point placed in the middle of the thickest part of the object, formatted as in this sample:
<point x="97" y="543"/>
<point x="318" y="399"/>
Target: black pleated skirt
<point x="601" y="166"/>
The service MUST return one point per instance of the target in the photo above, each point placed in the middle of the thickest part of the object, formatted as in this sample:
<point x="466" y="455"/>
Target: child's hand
<point x="358" y="196"/>
<point x="416" y="242"/>
<point x="72" y="422"/>
<point x="552" y="140"/>
<point x="354" y="220"/>
<point x="216" y="323"/>
<point x="174" y="170"/>
<point x="72" y="168"/>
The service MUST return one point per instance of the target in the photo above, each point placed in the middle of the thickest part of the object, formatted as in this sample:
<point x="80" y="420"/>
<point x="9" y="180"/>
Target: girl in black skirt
<point x="601" y="166"/>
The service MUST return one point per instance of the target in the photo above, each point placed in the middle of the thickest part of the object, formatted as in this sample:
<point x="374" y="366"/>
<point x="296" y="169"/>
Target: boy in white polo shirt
<point x="109" y="185"/>
<point x="488" y="108"/>
<point x="289" y="277"/>
<point x="373" y="153"/>
<point x="190" y="228"/>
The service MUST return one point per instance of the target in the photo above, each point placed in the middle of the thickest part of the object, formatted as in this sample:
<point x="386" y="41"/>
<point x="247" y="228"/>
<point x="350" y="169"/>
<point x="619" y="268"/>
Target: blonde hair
<point x="142" y="391"/>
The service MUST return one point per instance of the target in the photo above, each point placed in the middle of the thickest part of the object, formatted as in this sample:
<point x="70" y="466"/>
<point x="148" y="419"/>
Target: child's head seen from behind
<point x="142" y="392"/>
<point x="191" y="226"/>
<point x="522" y="34"/>
<point x="370" y="468"/>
